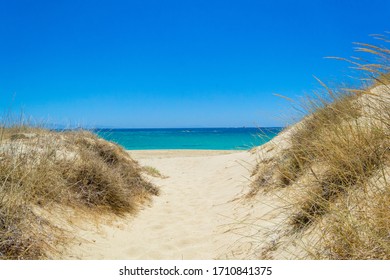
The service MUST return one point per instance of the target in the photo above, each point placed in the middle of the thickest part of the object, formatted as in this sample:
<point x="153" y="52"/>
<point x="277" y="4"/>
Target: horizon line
<point x="140" y="128"/>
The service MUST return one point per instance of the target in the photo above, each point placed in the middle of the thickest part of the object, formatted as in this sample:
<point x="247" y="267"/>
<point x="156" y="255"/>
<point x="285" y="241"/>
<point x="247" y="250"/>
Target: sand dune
<point x="192" y="217"/>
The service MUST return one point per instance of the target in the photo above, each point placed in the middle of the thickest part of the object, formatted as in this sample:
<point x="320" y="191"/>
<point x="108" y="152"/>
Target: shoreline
<point x="173" y="153"/>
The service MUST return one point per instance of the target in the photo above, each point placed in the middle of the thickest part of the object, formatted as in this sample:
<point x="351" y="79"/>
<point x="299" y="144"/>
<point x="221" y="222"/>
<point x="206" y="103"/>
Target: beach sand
<point x="190" y="219"/>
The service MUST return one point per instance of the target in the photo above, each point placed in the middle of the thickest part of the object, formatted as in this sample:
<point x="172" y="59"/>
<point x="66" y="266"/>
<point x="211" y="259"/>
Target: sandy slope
<point x="189" y="220"/>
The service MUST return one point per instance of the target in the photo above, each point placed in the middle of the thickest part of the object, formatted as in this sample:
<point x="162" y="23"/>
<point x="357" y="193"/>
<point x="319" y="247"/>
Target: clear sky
<point x="199" y="63"/>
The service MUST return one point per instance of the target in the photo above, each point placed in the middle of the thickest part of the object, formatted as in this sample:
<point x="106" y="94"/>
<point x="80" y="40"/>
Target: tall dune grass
<point x="339" y="160"/>
<point x="41" y="169"/>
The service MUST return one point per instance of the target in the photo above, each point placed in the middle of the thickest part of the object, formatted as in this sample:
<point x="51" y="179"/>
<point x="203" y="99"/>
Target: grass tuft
<point x="154" y="172"/>
<point x="42" y="169"/>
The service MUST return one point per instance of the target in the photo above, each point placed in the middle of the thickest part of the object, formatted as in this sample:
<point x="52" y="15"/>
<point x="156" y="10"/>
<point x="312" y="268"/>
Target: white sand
<point x="189" y="220"/>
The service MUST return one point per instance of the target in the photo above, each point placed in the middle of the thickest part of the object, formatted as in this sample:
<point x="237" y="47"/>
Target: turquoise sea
<point x="189" y="138"/>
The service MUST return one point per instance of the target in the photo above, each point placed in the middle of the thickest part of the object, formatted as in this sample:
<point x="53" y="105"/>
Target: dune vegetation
<point x="335" y="167"/>
<point x="43" y="171"/>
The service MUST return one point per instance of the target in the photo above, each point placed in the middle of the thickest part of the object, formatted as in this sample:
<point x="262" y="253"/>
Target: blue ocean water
<point x="189" y="138"/>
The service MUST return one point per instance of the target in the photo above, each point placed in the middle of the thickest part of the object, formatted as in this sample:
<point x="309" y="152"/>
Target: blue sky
<point x="151" y="63"/>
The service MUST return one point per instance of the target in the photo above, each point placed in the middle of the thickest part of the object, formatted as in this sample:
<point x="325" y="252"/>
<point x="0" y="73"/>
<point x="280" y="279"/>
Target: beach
<point x="190" y="219"/>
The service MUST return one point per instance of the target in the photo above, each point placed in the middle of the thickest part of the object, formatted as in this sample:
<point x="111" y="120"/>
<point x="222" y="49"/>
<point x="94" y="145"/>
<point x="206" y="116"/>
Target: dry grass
<point x="333" y="156"/>
<point x="152" y="171"/>
<point x="41" y="169"/>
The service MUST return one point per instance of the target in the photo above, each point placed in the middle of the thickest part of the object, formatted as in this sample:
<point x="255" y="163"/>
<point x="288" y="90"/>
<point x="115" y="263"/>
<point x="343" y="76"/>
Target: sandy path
<point x="188" y="220"/>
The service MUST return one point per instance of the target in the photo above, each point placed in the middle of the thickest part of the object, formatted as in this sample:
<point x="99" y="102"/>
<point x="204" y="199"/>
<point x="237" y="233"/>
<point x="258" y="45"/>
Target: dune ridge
<point x="46" y="175"/>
